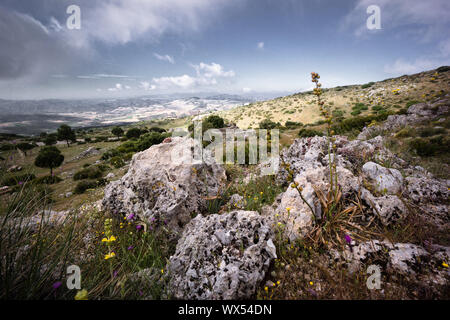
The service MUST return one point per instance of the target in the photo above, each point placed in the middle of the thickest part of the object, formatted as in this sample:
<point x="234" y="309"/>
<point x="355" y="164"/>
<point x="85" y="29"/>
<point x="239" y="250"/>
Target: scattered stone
<point x="15" y="168"/>
<point x="110" y="176"/>
<point x="91" y="151"/>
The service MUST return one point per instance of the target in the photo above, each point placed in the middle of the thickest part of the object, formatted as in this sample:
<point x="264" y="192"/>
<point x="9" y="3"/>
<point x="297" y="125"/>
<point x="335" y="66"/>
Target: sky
<point x="127" y="48"/>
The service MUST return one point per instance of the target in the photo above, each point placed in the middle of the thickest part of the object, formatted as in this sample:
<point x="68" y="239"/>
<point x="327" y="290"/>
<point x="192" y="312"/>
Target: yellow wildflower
<point x="444" y="264"/>
<point x="81" y="295"/>
<point x="110" y="255"/>
<point x="311" y="283"/>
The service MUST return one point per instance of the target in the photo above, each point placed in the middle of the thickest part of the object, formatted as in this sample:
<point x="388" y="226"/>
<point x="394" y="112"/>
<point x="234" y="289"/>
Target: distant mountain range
<point x="35" y="116"/>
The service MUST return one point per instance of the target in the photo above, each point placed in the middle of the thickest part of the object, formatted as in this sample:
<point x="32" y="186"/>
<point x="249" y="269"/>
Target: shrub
<point x="215" y="121"/>
<point x="423" y="147"/>
<point x="367" y="85"/>
<point x="88" y="173"/>
<point x="150" y="139"/>
<point x="109" y="154"/>
<point x="7" y="147"/>
<point x="117" y="162"/>
<point x="268" y="124"/>
<point x="133" y="133"/>
<point x="15" y="180"/>
<point x="358" y="123"/>
<point x="293" y="124"/>
<point x="157" y="129"/>
<point x="403" y="133"/>
<point x="82" y="186"/>
<point x="429" y="131"/>
<point x="306" y="133"/>
<point x="48" y="180"/>
<point x="117" y="131"/>
<point x="129" y="146"/>
<point x="411" y="103"/>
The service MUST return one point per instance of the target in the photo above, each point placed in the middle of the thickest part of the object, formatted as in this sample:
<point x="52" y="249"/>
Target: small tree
<point x="25" y="147"/>
<point x="117" y="131"/>
<point x="215" y="121"/>
<point x="51" y="139"/>
<point x="133" y="133"/>
<point x="66" y="133"/>
<point x="49" y="157"/>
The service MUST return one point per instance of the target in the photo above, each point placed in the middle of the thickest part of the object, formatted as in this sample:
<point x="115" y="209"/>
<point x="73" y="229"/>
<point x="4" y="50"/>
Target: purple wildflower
<point x="138" y="227"/>
<point x="348" y="239"/>
<point x="115" y="273"/>
<point x="56" y="285"/>
<point x="130" y="217"/>
<point x="20" y="183"/>
<point x="130" y="248"/>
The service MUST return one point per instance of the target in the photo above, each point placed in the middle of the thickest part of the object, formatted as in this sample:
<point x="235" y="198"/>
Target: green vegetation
<point x="306" y="133"/>
<point x="49" y="157"/>
<point x="117" y="131"/>
<point x="65" y="133"/>
<point x="367" y="85"/>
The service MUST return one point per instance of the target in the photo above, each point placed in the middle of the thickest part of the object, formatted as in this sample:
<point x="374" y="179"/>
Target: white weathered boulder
<point x="165" y="185"/>
<point x="388" y="208"/>
<point x="221" y="257"/>
<point x="385" y="180"/>
<point x="416" y="262"/>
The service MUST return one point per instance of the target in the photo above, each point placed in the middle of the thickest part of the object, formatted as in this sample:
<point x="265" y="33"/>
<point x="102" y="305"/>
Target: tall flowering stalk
<point x="326" y="113"/>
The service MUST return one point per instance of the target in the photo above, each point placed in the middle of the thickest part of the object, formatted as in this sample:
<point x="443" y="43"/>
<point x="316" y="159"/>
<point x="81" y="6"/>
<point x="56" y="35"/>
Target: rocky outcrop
<point x="416" y="114"/>
<point x="89" y="152"/>
<point x="416" y="262"/>
<point x="221" y="257"/>
<point x="385" y="192"/>
<point x="164" y="185"/>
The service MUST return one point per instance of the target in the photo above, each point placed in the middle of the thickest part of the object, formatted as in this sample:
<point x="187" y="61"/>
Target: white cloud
<point x="183" y="82"/>
<point x="122" y="21"/>
<point x="206" y="75"/>
<point x="212" y="70"/>
<point x="166" y="58"/>
<point x="246" y="90"/>
<point x="147" y="86"/>
<point x="118" y="87"/>
<point x="103" y="76"/>
<point x="402" y="66"/>
<point x="260" y="45"/>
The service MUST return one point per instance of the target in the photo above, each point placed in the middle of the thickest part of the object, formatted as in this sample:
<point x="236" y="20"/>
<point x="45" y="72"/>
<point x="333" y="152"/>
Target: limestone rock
<point x="221" y="257"/>
<point x="89" y="152"/>
<point x="165" y="184"/>
<point x="385" y="180"/>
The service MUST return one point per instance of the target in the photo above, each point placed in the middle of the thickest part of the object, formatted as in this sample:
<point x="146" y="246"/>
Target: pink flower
<point x="348" y="239"/>
<point x="56" y="285"/>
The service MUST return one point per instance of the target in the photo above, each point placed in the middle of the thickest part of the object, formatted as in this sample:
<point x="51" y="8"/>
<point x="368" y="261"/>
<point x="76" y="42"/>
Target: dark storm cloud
<point x="27" y="47"/>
